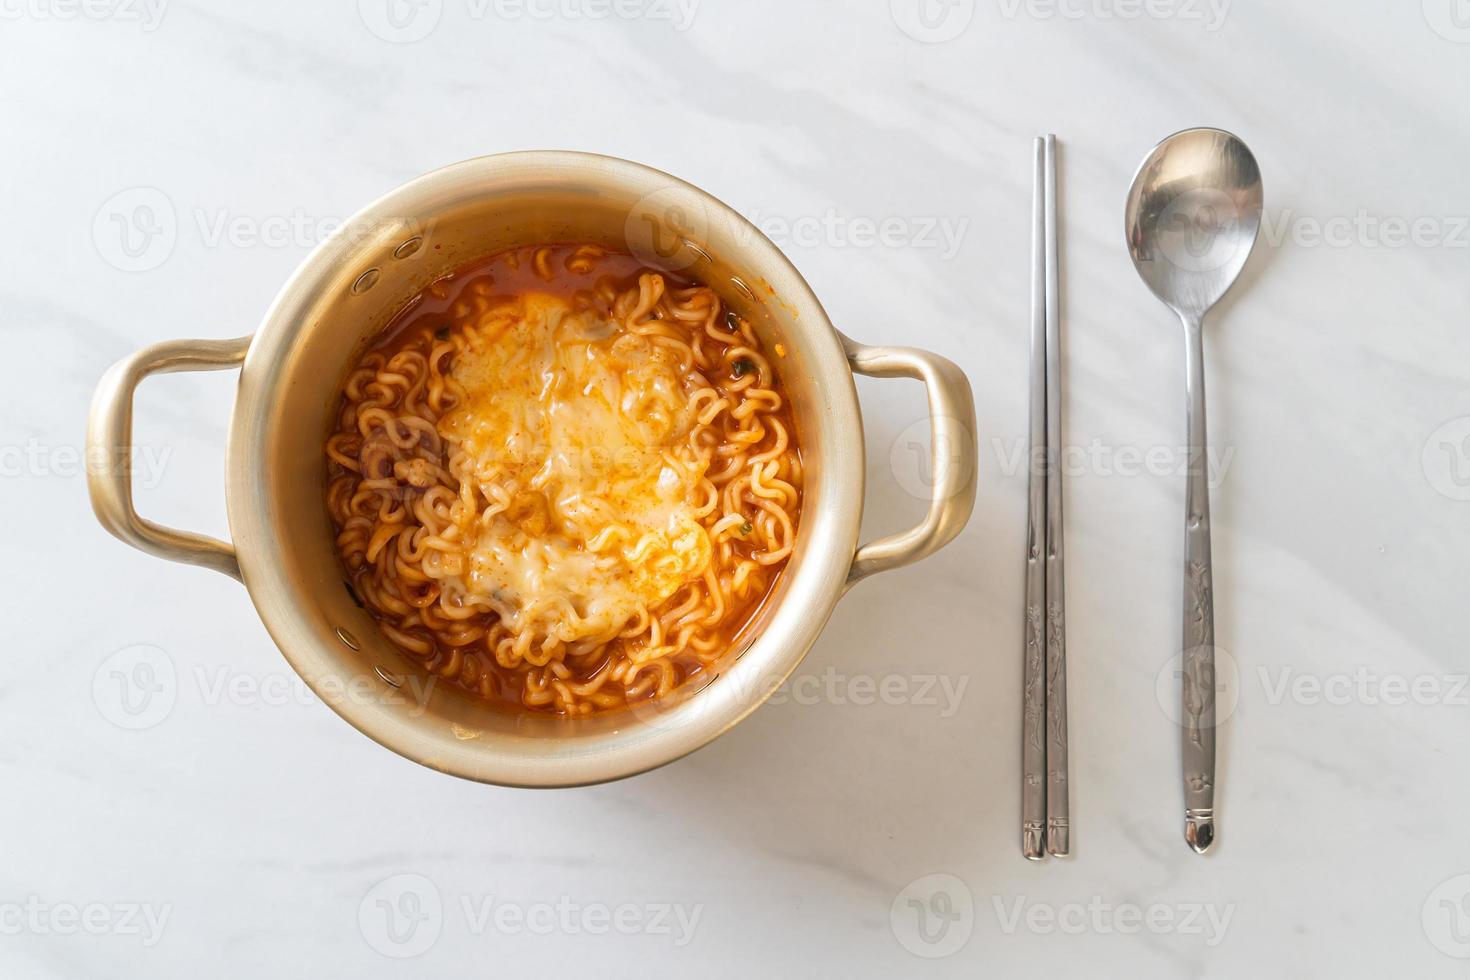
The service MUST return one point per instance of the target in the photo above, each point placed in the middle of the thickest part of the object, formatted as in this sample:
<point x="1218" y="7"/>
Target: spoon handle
<point x="1198" y="659"/>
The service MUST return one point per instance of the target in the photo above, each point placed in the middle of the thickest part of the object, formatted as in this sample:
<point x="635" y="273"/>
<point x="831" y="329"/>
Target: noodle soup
<point x="563" y="481"/>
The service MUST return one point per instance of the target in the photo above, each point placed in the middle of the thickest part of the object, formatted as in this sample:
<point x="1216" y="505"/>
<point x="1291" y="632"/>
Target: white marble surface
<point x="254" y="826"/>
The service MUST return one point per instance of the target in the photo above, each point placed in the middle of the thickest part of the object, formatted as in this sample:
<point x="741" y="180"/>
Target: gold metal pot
<point x="346" y="291"/>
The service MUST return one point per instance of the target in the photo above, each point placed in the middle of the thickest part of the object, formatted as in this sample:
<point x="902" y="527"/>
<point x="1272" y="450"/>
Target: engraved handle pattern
<point x="1033" y="728"/>
<point x="1035" y="704"/>
<point x="1058" y="806"/>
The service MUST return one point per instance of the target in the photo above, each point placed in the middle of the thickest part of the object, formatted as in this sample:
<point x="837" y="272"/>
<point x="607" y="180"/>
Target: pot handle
<point x="953" y="454"/>
<point x="110" y="438"/>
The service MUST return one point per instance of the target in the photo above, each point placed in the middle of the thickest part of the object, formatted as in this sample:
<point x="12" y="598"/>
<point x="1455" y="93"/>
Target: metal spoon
<point x="1192" y="217"/>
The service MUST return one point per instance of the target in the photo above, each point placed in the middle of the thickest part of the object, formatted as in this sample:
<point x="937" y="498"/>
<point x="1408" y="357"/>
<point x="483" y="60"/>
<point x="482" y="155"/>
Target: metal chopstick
<point x="1033" y="721"/>
<point x="1058" y="809"/>
<point x="1045" y="810"/>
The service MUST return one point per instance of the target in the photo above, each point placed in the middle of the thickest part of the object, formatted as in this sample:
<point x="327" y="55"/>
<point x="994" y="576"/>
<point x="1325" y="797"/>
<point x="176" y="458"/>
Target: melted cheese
<point x="575" y="432"/>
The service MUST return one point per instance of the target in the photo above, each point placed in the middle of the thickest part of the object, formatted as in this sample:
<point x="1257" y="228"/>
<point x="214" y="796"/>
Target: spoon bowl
<point x="1192" y="217"/>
